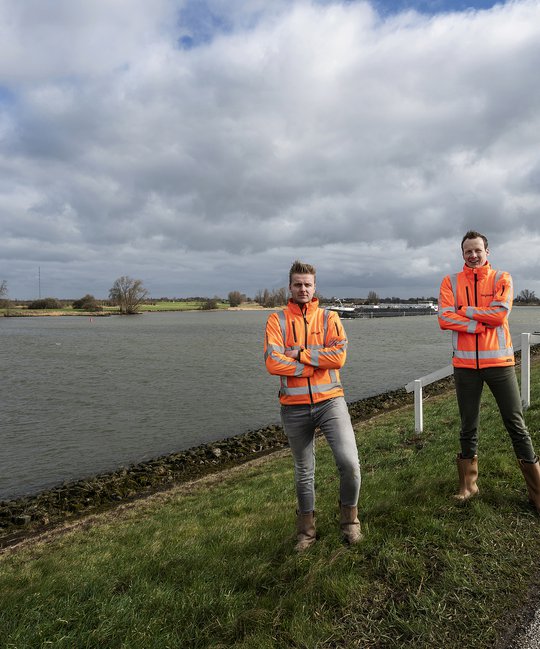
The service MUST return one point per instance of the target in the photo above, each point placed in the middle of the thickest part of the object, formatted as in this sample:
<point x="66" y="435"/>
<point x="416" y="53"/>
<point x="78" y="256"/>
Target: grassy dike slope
<point x="210" y="564"/>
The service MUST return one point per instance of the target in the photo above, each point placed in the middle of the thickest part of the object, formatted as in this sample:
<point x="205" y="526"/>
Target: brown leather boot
<point x="531" y="473"/>
<point x="468" y="475"/>
<point x="349" y="524"/>
<point x="305" y="531"/>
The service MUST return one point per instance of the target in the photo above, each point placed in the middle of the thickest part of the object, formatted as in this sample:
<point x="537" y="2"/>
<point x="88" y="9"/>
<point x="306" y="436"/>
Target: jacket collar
<point x="309" y="307"/>
<point x="479" y="272"/>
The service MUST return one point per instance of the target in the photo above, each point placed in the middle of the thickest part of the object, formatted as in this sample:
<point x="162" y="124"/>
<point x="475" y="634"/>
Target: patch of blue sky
<point x="6" y="95"/>
<point x="199" y="22"/>
<point x="432" y="7"/>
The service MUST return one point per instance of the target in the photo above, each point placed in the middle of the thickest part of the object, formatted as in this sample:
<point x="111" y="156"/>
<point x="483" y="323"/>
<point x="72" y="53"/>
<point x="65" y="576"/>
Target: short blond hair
<point x="300" y="268"/>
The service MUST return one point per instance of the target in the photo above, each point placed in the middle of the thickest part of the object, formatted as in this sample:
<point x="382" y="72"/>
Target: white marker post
<point x="526" y="341"/>
<point x="417" y="386"/>
<point x="418" y="410"/>
<point x="525" y="370"/>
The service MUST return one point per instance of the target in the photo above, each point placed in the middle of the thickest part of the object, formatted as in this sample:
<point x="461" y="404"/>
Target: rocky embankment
<point x="30" y="514"/>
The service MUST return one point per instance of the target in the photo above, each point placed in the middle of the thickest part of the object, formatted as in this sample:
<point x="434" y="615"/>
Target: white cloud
<point x="368" y="145"/>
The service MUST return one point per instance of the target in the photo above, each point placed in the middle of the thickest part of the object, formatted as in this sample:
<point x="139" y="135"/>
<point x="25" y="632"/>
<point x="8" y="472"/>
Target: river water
<point x="81" y="396"/>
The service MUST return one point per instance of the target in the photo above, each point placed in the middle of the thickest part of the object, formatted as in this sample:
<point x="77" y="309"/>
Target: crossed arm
<point x="472" y="319"/>
<point x="299" y="361"/>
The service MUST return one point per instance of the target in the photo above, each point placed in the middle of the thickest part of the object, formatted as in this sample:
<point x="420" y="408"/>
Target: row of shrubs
<point x="86" y="303"/>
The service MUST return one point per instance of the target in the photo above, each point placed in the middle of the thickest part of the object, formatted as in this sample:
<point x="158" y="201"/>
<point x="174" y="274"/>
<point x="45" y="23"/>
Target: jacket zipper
<point x="476" y="304"/>
<point x="305" y="345"/>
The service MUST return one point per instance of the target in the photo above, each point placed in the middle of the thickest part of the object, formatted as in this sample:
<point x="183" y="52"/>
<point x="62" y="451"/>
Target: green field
<point x="18" y="310"/>
<point x="178" y="306"/>
<point x="212" y="564"/>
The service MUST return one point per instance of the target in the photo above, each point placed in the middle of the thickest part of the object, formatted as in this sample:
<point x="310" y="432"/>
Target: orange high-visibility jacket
<point x="319" y="335"/>
<point x="475" y="305"/>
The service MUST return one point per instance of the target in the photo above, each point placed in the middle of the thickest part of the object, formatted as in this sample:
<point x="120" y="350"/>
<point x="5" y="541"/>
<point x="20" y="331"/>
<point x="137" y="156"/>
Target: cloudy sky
<point x="203" y="145"/>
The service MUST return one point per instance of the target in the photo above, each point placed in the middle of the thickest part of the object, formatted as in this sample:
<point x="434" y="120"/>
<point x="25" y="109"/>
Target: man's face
<point x="474" y="252"/>
<point x="302" y="288"/>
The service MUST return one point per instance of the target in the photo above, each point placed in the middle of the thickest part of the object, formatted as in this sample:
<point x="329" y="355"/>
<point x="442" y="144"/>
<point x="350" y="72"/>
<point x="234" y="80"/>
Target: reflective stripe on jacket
<point x="319" y="334"/>
<point x="475" y="305"/>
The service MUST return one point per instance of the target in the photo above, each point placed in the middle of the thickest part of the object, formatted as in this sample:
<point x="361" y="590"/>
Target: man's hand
<point x="293" y="353"/>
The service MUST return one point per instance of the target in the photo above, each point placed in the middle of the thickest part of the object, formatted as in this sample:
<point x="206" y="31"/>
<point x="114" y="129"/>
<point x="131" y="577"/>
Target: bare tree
<point x="210" y="304"/>
<point x="127" y="294"/>
<point x="4" y="302"/>
<point x="280" y="296"/>
<point x="236" y="298"/>
<point x="272" y="299"/>
<point x="526" y="296"/>
<point x="372" y="298"/>
<point x="87" y="303"/>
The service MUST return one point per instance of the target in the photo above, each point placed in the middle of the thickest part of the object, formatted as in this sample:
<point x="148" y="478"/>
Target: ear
<point x="487" y="251"/>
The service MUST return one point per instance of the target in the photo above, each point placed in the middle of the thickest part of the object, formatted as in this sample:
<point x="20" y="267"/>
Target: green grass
<point x="177" y="306"/>
<point x="144" y="308"/>
<point x="214" y="566"/>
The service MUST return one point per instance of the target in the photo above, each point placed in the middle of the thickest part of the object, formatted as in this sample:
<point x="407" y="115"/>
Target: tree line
<point x="527" y="297"/>
<point x="128" y="294"/>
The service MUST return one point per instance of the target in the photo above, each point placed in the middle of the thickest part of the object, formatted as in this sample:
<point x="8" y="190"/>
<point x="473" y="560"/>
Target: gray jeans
<point x="503" y="384"/>
<point x="332" y="417"/>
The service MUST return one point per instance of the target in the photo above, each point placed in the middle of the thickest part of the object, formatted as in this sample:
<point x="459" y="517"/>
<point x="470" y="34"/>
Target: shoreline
<point x="35" y="513"/>
<point x="100" y="314"/>
<point x="32" y="514"/>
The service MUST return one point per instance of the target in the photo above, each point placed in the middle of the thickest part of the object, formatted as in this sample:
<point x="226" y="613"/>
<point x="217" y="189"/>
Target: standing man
<point x="306" y="346"/>
<point x="474" y="304"/>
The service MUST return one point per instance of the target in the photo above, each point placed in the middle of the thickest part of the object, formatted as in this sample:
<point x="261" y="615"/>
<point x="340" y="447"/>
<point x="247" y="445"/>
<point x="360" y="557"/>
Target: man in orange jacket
<point x="306" y="346"/>
<point x="475" y="304"/>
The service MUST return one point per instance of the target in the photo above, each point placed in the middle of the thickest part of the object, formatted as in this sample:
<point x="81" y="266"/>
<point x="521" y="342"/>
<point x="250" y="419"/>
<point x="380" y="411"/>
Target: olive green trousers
<point x="504" y="386"/>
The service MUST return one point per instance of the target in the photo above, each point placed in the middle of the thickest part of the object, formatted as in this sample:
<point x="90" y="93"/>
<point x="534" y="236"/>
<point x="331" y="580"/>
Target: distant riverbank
<point x="23" y="312"/>
<point x="163" y="307"/>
